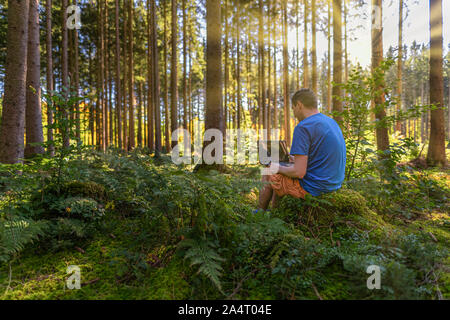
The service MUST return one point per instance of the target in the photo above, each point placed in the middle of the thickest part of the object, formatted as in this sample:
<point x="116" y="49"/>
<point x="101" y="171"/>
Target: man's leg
<point x="266" y="193"/>
<point x="275" y="200"/>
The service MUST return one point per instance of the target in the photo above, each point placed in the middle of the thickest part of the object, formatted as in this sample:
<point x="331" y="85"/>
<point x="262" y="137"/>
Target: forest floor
<point x="142" y="228"/>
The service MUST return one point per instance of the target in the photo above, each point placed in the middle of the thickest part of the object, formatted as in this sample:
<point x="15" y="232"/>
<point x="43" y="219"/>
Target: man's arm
<point x="298" y="170"/>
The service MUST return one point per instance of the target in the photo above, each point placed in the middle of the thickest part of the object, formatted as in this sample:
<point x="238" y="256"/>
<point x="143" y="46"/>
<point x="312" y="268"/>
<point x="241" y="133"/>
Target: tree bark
<point x="49" y="78"/>
<point x="382" y="135"/>
<point x="33" y="115"/>
<point x="76" y="81"/>
<point x="305" y="49"/>
<point x="131" y="143"/>
<point x="287" y="111"/>
<point x="213" y="113"/>
<point x="150" y="106"/>
<point x="329" y="87"/>
<point x="13" y="115"/>
<point x="185" y="115"/>
<point x="398" y="125"/>
<point x="314" y="47"/>
<point x="261" y="75"/>
<point x="65" y="70"/>
<point x="436" y="150"/>
<point x="118" y="82"/>
<point x="173" y="74"/>
<point x="166" y="82"/>
<point x="337" y="58"/>
<point x="155" y="82"/>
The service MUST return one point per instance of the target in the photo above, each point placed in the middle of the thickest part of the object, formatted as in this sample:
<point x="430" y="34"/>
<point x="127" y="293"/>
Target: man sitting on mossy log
<point x="317" y="156"/>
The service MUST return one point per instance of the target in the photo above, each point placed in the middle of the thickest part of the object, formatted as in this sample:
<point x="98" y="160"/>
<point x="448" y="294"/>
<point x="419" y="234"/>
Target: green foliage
<point x="130" y="213"/>
<point x="16" y="233"/>
<point x="203" y="253"/>
<point x="358" y="108"/>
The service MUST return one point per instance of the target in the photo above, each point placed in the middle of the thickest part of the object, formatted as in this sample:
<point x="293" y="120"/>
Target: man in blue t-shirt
<point x="317" y="156"/>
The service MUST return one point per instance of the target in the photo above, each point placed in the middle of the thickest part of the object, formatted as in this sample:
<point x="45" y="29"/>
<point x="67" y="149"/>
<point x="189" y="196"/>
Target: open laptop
<point x="283" y="153"/>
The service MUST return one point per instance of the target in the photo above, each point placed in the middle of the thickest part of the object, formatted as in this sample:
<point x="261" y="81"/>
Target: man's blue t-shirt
<point x="320" y="138"/>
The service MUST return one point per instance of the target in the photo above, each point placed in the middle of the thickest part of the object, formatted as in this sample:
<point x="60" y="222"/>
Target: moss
<point x="88" y="189"/>
<point x="337" y="213"/>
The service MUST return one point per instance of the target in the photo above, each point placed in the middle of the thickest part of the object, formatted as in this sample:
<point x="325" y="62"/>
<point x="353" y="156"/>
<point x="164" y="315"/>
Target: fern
<point x="202" y="253"/>
<point x="16" y="233"/>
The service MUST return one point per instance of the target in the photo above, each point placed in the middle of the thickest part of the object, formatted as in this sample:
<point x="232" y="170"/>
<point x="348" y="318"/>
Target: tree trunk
<point x="118" y="85"/>
<point x="125" y="77"/>
<point x="13" y="115"/>
<point x="104" y="132"/>
<point x="329" y="86"/>
<point x="238" y="68"/>
<point x="76" y="82"/>
<point x="173" y="73"/>
<point x="139" y="114"/>
<point x="213" y="113"/>
<point x="185" y="115"/>
<point x="155" y="82"/>
<point x="49" y="48"/>
<point x="436" y="150"/>
<point x="345" y="42"/>
<point x="337" y="58"/>
<point x="305" y="49"/>
<point x="314" y="46"/>
<point x="166" y="89"/>
<point x="131" y="143"/>
<point x="226" y="72"/>
<point x="65" y="69"/>
<point x="262" y="82"/>
<point x="398" y="125"/>
<point x="287" y="111"/>
<point x="382" y="136"/>
<point x="33" y="115"/>
<point x="150" y="75"/>
<point x="274" y="37"/>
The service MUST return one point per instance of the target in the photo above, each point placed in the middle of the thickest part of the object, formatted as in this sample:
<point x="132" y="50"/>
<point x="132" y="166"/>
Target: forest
<point x="98" y="98"/>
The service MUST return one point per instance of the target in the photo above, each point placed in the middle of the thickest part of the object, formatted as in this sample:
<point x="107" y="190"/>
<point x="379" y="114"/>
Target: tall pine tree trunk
<point x="33" y="115"/>
<point x="77" y="81"/>
<point x="150" y="106"/>
<point x="261" y="74"/>
<point x="65" y="70"/>
<point x="213" y="111"/>
<point x="155" y="82"/>
<point x="166" y="83"/>
<point x="305" y="49"/>
<point x="314" y="46"/>
<point x="131" y="143"/>
<point x="436" y="150"/>
<point x="118" y="86"/>
<point x="49" y="78"/>
<point x="382" y="136"/>
<point x="287" y="111"/>
<point x="173" y="73"/>
<point x="398" y="125"/>
<point x="337" y="58"/>
<point x="185" y="115"/>
<point x="13" y="113"/>
<point x="125" y="77"/>
<point x="329" y="86"/>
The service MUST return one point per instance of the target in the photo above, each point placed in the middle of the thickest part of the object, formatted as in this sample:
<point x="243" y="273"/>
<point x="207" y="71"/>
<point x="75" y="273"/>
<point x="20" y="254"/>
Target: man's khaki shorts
<point x="283" y="185"/>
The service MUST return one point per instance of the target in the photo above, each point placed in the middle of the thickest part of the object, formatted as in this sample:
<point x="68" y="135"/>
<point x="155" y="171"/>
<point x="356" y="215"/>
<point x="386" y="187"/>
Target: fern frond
<point x="16" y="233"/>
<point x="202" y="253"/>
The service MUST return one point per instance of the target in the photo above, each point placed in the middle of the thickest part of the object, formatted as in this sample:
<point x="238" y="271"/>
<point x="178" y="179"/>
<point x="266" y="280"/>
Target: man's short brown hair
<point x="306" y="97"/>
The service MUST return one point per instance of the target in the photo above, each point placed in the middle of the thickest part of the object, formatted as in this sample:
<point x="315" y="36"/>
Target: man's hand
<point x="298" y="170"/>
<point x="291" y="159"/>
<point x="274" y="168"/>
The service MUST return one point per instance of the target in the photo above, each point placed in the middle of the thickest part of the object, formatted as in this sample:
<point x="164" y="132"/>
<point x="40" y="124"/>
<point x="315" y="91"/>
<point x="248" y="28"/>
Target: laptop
<point x="283" y="152"/>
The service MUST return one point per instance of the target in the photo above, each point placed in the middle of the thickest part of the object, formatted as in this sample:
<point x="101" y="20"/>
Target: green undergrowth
<point x="139" y="227"/>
